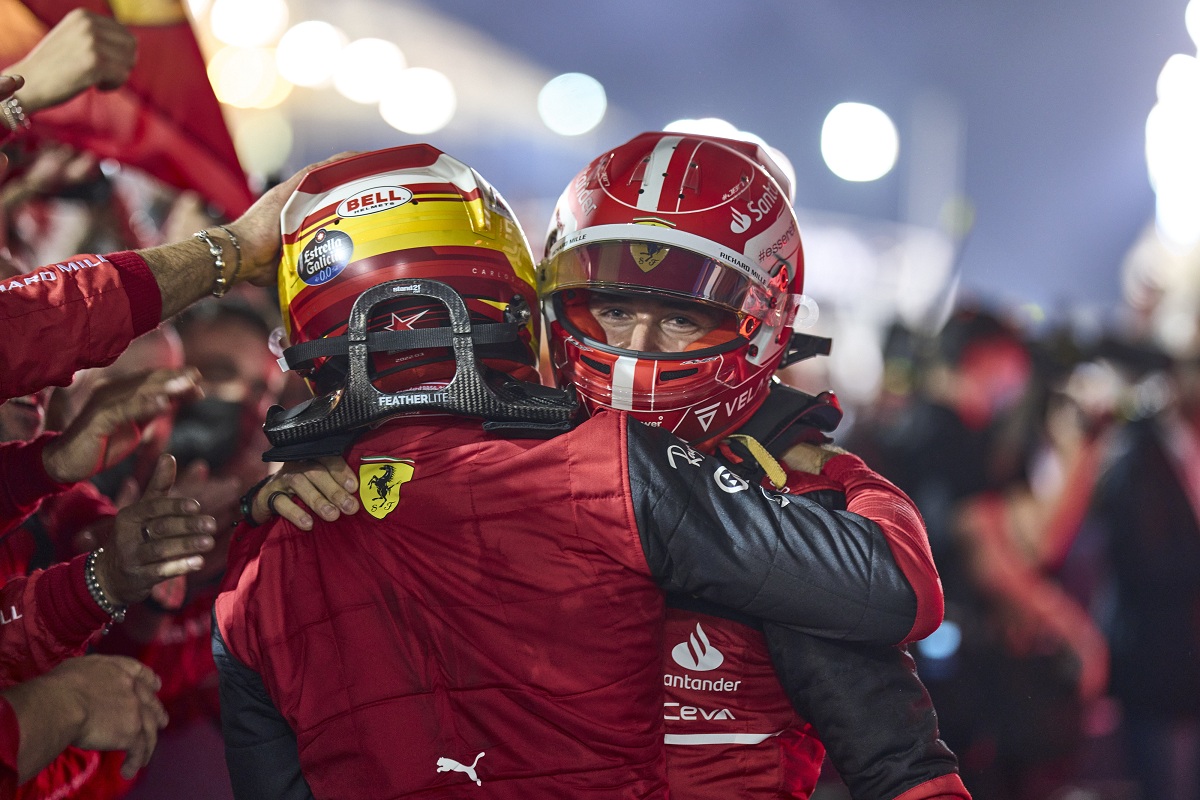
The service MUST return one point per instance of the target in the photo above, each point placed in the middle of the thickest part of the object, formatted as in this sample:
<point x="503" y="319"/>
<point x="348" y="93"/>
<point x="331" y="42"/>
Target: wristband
<point x="246" y="504"/>
<point x="94" y="589"/>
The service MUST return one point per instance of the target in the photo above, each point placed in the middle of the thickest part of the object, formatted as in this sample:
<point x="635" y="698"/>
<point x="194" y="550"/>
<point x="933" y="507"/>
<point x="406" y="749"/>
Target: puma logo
<point x="450" y="765"/>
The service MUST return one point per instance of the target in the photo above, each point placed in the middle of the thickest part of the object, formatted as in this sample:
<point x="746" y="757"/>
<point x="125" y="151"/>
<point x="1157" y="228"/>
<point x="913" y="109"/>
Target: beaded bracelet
<point x="14" y="115"/>
<point x="237" y="248"/>
<point x="97" y="593"/>
<point x="220" y="285"/>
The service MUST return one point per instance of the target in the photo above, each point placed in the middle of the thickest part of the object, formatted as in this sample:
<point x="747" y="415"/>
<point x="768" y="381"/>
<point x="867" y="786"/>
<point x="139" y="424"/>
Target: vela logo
<point x="697" y="653"/>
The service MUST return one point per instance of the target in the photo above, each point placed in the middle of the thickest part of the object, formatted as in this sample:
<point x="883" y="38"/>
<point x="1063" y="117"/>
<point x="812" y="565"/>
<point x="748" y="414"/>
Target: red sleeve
<point x="870" y="495"/>
<point x="64" y="317"/>
<point x="944" y="787"/>
<point x="23" y="480"/>
<point x="10" y="742"/>
<point x="66" y="514"/>
<point x="77" y="773"/>
<point x="47" y="617"/>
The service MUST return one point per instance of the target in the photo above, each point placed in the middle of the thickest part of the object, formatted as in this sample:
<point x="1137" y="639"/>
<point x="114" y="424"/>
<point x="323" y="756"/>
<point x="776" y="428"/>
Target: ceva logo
<point x="697" y="653"/>
<point x="740" y="221"/>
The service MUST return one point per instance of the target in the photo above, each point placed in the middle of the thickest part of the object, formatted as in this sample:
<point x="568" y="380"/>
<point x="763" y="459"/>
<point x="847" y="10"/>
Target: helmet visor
<point x="653" y="268"/>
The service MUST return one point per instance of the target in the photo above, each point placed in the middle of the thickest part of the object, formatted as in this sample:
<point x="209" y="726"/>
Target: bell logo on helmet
<point x="697" y="653"/>
<point x="324" y="258"/>
<point x="379" y="198"/>
<point x="741" y="222"/>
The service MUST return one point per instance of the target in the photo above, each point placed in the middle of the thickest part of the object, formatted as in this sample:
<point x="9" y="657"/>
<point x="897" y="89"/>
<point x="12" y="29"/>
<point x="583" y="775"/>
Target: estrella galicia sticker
<point x="379" y="482"/>
<point x="324" y="257"/>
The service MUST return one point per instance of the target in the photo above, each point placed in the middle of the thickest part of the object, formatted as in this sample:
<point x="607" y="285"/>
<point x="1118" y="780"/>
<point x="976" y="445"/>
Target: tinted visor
<point x="650" y="267"/>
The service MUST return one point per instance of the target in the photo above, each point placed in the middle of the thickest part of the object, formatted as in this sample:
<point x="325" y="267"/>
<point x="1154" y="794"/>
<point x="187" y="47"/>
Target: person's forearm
<point x="48" y="722"/>
<point x="185" y="271"/>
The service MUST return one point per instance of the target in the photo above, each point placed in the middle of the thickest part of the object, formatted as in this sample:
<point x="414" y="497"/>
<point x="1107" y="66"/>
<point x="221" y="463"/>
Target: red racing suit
<point x="504" y="626"/>
<point x="751" y="707"/>
<point x="734" y="731"/>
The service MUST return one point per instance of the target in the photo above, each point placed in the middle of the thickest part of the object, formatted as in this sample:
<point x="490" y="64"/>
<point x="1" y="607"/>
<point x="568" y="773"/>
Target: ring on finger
<point x="271" y="500"/>
<point x="145" y="533"/>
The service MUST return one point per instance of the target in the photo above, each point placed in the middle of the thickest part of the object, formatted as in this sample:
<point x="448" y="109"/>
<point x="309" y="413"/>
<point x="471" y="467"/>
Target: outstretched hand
<point x="258" y="229"/>
<point x="84" y="49"/>
<point x="108" y="427"/>
<point x="156" y="538"/>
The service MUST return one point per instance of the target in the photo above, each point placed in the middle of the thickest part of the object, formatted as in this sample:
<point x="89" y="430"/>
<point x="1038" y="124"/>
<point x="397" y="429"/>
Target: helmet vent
<point x="675" y="374"/>
<point x="596" y="365"/>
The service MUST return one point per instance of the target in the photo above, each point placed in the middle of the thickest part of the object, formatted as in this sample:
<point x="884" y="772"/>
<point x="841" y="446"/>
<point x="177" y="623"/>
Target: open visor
<point x="651" y="267"/>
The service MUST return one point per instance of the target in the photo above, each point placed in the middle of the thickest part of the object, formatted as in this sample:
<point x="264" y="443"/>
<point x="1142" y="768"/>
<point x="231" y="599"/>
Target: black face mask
<point x="208" y="430"/>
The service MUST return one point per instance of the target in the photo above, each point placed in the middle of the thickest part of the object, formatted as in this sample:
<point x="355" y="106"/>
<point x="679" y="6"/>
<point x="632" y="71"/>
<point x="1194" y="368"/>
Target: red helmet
<point x="679" y="217"/>
<point x="405" y="212"/>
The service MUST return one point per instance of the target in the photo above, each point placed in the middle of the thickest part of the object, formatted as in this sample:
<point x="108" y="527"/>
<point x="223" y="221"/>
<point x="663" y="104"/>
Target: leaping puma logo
<point x="450" y="765"/>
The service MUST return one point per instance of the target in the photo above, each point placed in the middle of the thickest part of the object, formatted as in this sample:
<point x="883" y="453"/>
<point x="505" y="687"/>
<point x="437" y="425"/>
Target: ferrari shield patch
<point x="379" y="482"/>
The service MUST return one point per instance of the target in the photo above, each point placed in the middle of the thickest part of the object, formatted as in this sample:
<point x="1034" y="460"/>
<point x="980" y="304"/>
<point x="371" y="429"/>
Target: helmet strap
<point x="335" y="420"/>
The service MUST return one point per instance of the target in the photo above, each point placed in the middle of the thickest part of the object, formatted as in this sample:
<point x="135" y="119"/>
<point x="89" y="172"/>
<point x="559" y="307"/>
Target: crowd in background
<point x="1059" y="478"/>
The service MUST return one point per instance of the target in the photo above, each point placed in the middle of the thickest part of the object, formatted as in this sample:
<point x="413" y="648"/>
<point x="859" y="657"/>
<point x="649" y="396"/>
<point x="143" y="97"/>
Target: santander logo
<point x="697" y="653"/>
<point x="740" y="221"/>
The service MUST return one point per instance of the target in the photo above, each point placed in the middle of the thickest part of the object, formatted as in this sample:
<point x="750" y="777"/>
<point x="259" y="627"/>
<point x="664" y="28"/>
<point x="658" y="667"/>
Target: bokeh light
<point x="705" y="126"/>
<point x="1191" y="18"/>
<point x="197" y="7"/>
<point x="263" y="141"/>
<point x="248" y="23"/>
<point x="859" y="142"/>
<point x="419" y="101"/>
<point x="1179" y="81"/>
<point x="366" y="67"/>
<point x="246" y="77"/>
<point x="308" y="53"/>
<point x="572" y="103"/>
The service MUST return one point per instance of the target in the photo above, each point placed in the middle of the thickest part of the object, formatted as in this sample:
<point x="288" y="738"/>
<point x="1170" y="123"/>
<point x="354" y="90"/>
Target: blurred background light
<point x="197" y="7"/>
<point x="1191" y="18"/>
<point x="365" y="68"/>
<point x="263" y="141"/>
<point x="1179" y="81"/>
<point x="419" y="101"/>
<point x="246" y="77"/>
<point x="308" y="53"/>
<point x="248" y="23"/>
<point x="706" y="126"/>
<point x="859" y="142"/>
<point x="572" y="104"/>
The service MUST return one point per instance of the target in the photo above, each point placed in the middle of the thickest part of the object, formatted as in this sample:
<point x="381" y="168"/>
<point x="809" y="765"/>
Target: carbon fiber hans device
<point x="326" y="425"/>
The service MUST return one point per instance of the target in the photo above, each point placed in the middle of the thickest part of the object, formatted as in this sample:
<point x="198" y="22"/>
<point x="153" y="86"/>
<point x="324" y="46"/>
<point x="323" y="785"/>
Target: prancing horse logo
<point x="379" y="482"/>
<point x="450" y="765"/>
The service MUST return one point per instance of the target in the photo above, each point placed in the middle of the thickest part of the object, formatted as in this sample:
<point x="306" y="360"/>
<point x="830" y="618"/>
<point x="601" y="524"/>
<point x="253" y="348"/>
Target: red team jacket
<point x="495" y="618"/>
<point x="54" y="321"/>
